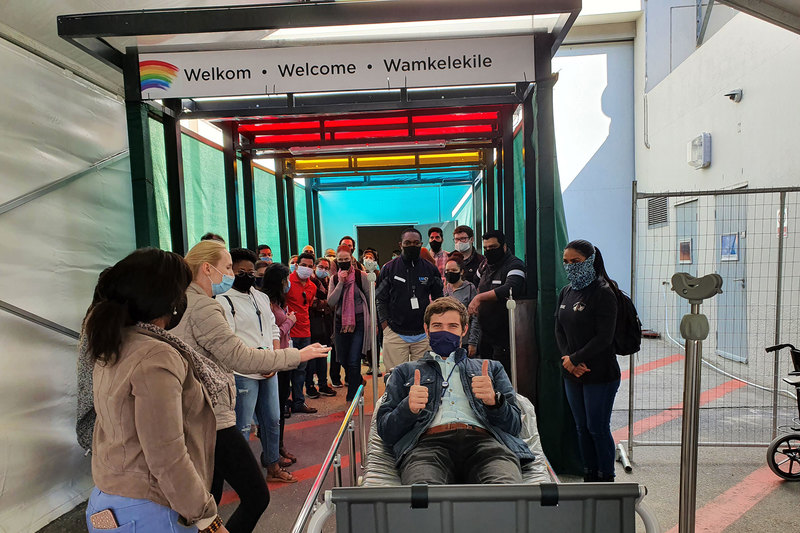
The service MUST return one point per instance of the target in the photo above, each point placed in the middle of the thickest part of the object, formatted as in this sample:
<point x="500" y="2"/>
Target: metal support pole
<point x="512" y="337"/>
<point x="362" y="431"/>
<point x="694" y="328"/>
<point x="351" y="432"/>
<point x="689" y="431"/>
<point x="230" y="138"/>
<point x="632" y="361"/>
<point x="778" y="303"/>
<point x="337" y="470"/>
<point x="373" y="317"/>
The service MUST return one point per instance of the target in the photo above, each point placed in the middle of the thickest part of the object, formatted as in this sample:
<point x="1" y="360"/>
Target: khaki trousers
<point x="396" y="350"/>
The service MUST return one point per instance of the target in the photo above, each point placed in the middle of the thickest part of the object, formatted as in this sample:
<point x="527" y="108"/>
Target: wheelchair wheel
<point x="783" y="457"/>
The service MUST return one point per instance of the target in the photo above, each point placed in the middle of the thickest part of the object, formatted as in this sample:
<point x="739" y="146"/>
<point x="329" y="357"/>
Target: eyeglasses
<point x="246" y="272"/>
<point x="461" y="239"/>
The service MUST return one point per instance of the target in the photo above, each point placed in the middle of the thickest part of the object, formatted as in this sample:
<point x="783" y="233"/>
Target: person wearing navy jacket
<point x="448" y="418"/>
<point x="405" y="287"/>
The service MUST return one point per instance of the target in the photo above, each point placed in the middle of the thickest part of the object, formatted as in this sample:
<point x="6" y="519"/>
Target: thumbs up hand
<point x="417" y="395"/>
<point x="482" y="386"/>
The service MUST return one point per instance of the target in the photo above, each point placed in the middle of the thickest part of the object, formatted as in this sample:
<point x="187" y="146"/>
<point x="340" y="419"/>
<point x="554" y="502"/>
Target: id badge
<point x="414" y="303"/>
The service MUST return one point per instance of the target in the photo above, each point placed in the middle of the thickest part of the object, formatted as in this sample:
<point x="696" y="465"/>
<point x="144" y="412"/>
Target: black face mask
<point x="436" y="246"/>
<point x="494" y="255"/>
<point x="179" y="310"/>
<point x="343" y="265"/>
<point x="243" y="282"/>
<point x="259" y="282"/>
<point x="411" y="252"/>
<point x="452" y="277"/>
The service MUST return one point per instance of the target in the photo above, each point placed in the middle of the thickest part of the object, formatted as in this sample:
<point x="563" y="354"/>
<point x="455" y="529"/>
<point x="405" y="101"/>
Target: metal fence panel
<point x="737" y="234"/>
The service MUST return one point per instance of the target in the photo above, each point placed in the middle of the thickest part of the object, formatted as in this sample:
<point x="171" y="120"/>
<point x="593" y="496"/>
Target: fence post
<point x="778" y="303"/>
<point x="632" y="361"/>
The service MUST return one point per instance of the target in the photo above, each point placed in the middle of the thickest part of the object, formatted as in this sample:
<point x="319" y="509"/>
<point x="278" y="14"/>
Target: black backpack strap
<point x="233" y="309"/>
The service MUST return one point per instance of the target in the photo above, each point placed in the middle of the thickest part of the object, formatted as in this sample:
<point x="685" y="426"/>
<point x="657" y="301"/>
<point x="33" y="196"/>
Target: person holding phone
<point x="153" y="440"/>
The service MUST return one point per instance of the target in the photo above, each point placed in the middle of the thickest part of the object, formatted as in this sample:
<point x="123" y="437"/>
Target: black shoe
<point x="336" y="384"/>
<point x="311" y="392"/>
<point x="327" y="391"/>
<point x="304" y="409"/>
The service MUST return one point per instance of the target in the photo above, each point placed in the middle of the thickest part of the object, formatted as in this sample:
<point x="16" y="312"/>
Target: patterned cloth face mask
<point x="581" y="275"/>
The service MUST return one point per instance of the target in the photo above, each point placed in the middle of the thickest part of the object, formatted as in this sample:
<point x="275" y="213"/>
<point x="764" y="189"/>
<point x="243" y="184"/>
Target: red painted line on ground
<point x="652" y="365"/>
<point x="304" y="474"/>
<point x="731" y="505"/>
<point x="671" y="413"/>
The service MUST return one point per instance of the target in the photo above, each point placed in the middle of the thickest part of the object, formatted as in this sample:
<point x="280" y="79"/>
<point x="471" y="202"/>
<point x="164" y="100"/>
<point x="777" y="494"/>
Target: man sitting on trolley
<point x="448" y="418"/>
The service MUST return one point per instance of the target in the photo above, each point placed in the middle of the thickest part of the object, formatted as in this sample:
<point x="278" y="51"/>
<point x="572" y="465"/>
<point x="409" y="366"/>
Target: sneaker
<point x="336" y="384"/>
<point x="304" y="409"/>
<point x="327" y="391"/>
<point x="311" y="392"/>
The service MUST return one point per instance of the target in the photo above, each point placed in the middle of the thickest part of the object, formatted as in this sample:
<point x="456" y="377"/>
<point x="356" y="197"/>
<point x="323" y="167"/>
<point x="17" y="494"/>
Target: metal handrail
<point x="313" y="494"/>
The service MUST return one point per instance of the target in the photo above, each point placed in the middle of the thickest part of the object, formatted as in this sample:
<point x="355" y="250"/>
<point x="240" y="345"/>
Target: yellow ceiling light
<point x="450" y="157"/>
<point x="386" y="161"/>
<point x="322" y="164"/>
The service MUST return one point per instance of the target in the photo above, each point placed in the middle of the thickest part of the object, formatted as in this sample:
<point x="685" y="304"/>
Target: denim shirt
<point x="401" y="429"/>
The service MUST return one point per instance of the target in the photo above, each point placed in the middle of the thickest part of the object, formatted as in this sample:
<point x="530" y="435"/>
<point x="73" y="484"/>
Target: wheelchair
<point x="783" y="454"/>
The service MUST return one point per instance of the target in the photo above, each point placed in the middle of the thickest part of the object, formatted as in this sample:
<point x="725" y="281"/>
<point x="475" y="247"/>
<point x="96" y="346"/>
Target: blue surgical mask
<point x="223" y="286"/>
<point x="443" y="343"/>
<point x="267" y="259"/>
<point x="322" y="274"/>
<point x="288" y="286"/>
<point x="293" y="267"/>
<point x="581" y="275"/>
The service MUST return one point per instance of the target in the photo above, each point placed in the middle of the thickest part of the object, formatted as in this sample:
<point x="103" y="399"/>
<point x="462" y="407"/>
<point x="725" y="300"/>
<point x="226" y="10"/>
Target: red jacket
<point x="294" y="299"/>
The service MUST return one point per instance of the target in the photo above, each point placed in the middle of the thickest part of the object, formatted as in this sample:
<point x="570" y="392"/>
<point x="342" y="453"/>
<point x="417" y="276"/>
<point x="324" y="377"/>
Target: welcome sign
<point x="337" y="67"/>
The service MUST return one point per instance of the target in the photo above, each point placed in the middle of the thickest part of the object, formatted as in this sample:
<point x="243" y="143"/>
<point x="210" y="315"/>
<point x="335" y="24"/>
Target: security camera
<point x="735" y="95"/>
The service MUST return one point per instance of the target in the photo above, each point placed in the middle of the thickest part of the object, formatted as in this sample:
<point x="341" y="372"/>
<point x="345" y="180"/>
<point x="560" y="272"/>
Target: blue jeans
<point x="348" y="351"/>
<point x="259" y="397"/>
<point x="299" y="374"/>
<point x="591" y="406"/>
<point x="134" y="515"/>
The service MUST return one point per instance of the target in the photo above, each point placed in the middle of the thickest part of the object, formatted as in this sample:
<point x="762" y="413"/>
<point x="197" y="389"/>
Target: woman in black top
<point x="586" y="318"/>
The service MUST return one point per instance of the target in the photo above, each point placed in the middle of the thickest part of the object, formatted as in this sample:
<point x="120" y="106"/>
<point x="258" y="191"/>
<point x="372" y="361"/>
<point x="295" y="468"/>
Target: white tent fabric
<point x="52" y="124"/>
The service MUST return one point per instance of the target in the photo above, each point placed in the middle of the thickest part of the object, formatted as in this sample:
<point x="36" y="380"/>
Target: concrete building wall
<point x="753" y="146"/>
<point x="593" y="108"/>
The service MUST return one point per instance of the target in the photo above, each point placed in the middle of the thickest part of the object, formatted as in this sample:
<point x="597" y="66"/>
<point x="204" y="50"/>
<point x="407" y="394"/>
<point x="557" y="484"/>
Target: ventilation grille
<point x="657" y="211"/>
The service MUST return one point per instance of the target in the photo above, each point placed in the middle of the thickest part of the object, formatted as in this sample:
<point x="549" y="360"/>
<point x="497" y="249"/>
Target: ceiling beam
<point x="783" y="13"/>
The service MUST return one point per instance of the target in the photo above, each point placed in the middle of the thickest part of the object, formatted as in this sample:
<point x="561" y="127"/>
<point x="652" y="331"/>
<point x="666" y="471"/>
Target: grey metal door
<point x="731" y="250"/>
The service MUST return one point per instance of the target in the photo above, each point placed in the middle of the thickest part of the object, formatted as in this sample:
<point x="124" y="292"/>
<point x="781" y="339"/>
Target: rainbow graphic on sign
<point x="156" y="74"/>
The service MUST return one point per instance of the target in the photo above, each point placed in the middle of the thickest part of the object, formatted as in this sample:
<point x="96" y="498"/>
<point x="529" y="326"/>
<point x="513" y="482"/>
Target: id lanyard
<point x="446" y="382"/>
<point x="258" y="314"/>
<point x="414" y="299"/>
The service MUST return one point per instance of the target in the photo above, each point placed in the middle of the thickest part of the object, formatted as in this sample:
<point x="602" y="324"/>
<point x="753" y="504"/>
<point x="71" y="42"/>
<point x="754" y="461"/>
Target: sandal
<point x="288" y="455"/>
<point x="283" y="462"/>
<point x="279" y="475"/>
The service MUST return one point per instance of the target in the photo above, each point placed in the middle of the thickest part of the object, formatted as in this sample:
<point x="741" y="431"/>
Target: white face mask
<point x="304" y="272"/>
<point x="463" y="246"/>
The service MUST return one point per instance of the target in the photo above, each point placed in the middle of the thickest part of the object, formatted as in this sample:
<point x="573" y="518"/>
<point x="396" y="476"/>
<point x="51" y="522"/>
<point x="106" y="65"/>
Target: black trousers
<point x="460" y="456"/>
<point x="498" y="352"/>
<point x="234" y="462"/>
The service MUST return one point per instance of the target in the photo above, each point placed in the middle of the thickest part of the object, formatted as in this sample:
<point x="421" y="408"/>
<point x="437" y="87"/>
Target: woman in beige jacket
<point x="153" y="440"/>
<point x="205" y="328"/>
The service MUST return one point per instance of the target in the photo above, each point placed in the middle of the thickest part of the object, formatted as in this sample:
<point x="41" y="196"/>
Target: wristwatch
<point x="499" y="400"/>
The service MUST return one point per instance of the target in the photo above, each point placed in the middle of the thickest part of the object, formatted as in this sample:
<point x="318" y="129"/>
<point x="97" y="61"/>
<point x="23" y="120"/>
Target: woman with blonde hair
<point x="205" y="328"/>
